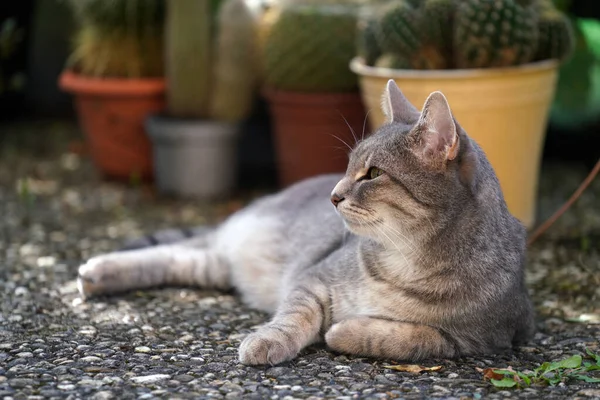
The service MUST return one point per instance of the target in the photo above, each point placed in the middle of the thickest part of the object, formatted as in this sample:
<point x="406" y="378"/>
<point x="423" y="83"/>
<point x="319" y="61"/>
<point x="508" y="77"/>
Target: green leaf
<point x="571" y="362"/>
<point x="525" y="377"/>
<point x="542" y="368"/>
<point x="554" y="381"/>
<point x="587" y="379"/>
<point x="505" y="383"/>
<point x="595" y="356"/>
<point x="568" y="363"/>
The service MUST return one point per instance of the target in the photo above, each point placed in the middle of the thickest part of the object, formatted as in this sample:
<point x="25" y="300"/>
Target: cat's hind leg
<point x="166" y="265"/>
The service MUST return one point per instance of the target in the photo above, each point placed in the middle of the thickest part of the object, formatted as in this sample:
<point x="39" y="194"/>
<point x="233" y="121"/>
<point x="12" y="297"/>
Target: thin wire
<point x="544" y="227"/>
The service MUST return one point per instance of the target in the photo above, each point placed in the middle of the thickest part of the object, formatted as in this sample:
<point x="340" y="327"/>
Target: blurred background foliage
<point x="36" y="40"/>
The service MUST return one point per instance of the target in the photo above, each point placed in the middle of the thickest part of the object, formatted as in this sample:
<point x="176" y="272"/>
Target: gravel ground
<point x="182" y="343"/>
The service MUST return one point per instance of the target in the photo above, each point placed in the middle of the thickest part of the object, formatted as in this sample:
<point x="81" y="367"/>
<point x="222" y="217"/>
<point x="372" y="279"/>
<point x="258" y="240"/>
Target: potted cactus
<point x="313" y="96"/>
<point x="496" y="61"/>
<point x="211" y="78"/>
<point x="116" y="75"/>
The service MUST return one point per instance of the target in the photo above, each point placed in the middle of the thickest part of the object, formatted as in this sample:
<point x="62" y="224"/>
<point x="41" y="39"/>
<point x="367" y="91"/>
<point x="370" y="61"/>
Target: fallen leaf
<point x="413" y="369"/>
<point x="490" y="373"/>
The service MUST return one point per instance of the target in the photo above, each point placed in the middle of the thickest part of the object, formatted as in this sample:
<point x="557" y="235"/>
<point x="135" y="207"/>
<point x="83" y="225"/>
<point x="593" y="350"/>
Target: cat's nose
<point x="336" y="199"/>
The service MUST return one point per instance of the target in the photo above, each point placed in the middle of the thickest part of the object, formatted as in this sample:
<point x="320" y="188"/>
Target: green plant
<point x="497" y="33"/>
<point x="309" y="46"/>
<point x="443" y="34"/>
<point x="557" y="36"/>
<point x="210" y="59"/>
<point x="549" y="373"/>
<point x="118" y="38"/>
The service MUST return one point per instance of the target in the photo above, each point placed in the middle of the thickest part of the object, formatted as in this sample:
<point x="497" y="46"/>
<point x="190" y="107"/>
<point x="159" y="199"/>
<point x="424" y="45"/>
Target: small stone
<point x="281" y="387"/>
<point x="21" y="382"/>
<point x="441" y="389"/>
<point x="150" y="378"/>
<point x="186" y="338"/>
<point x="91" y="359"/>
<point x="183" y="378"/>
<point x="25" y="354"/>
<point x="103" y="395"/>
<point x="90" y="382"/>
<point x="143" y="349"/>
<point x="21" y="291"/>
<point x="107" y="380"/>
<point x="66" y="386"/>
<point x="589" y="392"/>
<point x="296" y="388"/>
<point x="229" y="387"/>
<point x="452" y="375"/>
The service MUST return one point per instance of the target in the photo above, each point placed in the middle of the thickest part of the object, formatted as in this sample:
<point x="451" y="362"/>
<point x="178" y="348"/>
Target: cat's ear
<point x="438" y="135"/>
<point x="396" y="106"/>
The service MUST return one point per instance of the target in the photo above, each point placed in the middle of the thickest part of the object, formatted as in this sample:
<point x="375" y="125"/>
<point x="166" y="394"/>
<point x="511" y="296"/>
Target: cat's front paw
<point x="268" y="346"/>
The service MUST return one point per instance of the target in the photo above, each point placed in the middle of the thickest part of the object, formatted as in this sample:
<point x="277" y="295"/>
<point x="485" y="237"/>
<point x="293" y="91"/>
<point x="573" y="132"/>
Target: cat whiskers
<point x="401" y="237"/>
<point x="341" y="140"/>
<point x="349" y="127"/>
<point x="391" y="241"/>
<point x="365" y="125"/>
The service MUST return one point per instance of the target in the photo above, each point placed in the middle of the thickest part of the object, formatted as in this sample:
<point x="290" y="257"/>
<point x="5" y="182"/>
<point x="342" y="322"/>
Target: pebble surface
<point x="182" y="342"/>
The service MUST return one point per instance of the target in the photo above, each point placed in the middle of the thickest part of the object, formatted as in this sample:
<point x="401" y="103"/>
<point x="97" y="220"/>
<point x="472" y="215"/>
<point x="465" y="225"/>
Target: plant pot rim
<point x="358" y="66"/>
<point x="163" y="129"/>
<point x="73" y="82"/>
<point x="290" y="96"/>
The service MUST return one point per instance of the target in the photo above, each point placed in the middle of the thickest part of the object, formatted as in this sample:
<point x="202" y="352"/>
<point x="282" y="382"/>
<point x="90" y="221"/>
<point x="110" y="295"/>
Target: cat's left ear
<point x="438" y="136"/>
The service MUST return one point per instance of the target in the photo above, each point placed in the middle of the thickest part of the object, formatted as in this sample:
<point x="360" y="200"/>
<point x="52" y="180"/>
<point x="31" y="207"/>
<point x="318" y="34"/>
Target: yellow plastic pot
<point x="505" y="110"/>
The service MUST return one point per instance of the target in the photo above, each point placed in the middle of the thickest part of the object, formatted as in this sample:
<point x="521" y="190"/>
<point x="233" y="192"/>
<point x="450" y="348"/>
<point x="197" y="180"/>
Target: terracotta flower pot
<point x="306" y="126"/>
<point x="112" y="113"/>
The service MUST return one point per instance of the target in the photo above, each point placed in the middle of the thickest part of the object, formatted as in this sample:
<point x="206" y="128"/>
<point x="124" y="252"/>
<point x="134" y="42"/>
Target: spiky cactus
<point x="309" y="47"/>
<point x="367" y="45"/>
<point x="399" y="27"/>
<point x="497" y="33"/>
<point x="438" y="17"/>
<point x="557" y="38"/>
<point x="118" y="38"/>
<point x="440" y="34"/>
<point x="417" y="30"/>
<point x="210" y="59"/>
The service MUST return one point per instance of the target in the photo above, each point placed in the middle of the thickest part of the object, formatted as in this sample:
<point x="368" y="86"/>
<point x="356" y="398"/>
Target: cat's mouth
<point x="356" y="217"/>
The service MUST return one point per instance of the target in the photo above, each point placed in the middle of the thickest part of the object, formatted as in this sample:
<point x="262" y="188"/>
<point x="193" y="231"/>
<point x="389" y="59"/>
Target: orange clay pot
<point x="310" y="131"/>
<point x="112" y="113"/>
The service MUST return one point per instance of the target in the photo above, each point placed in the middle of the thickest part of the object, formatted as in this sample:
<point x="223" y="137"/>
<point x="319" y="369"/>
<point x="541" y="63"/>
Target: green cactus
<point x="309" y="48"/>
<point x="494" y="33"/>
<point x="393" y="61"/>
<point x="557" y="37"/>
<point x="438" y="16"/>
<point x="235" y="72"/>
<point x="399" y="28"/>
<point x="367" y="46"/>
<point x="417" y="31"/>
<point x="118" y="38"/>
<point x="210" y="59"/>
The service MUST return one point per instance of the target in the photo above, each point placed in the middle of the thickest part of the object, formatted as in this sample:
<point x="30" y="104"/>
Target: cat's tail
<point x="165" y="236"/>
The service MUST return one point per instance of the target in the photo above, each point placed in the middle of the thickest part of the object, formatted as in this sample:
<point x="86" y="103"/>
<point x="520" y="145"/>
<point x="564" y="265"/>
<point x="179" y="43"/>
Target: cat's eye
<point x="373" y="173"/>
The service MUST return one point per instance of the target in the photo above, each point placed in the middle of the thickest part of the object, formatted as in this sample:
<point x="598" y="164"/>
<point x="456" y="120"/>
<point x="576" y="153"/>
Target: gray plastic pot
<point x="194" y="158"/>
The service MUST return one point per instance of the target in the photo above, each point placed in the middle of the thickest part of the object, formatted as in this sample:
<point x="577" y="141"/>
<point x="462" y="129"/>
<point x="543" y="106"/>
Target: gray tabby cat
<point x="417" y="258"/>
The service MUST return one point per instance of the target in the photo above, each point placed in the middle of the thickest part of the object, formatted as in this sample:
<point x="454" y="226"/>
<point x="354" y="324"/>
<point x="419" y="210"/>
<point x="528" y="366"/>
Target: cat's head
<point x="412" y="175"/>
